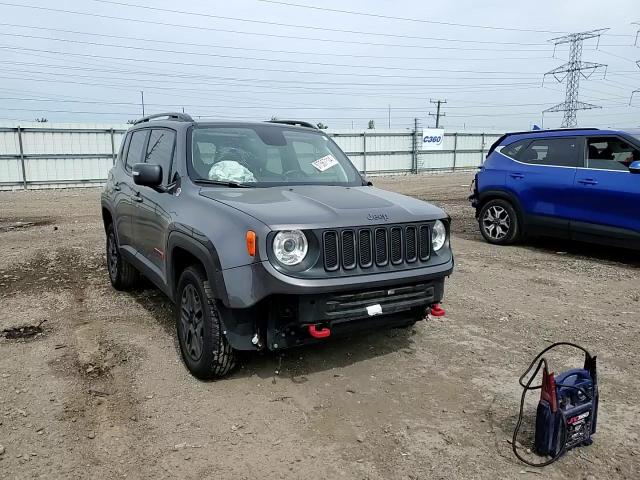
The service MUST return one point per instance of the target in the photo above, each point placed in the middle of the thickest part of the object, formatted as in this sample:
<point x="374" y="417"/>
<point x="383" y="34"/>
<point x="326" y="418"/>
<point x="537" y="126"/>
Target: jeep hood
<point x="322" y="206"/>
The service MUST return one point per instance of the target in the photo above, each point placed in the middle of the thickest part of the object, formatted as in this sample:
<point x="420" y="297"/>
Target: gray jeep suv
<point x="265" y="236"/>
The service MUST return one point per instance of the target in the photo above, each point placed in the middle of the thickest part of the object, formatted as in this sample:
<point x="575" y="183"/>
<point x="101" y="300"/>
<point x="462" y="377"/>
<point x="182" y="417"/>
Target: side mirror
<point x="366" y="182"/>
<point x="635" y="167"/>
<point x="147" y="175"/>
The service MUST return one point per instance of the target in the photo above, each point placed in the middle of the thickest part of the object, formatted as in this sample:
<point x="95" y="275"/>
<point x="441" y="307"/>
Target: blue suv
<point x="570" y="183"/>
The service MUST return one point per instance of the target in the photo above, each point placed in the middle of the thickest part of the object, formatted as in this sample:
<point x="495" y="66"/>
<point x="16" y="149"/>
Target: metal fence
<point x="75" y="155"/>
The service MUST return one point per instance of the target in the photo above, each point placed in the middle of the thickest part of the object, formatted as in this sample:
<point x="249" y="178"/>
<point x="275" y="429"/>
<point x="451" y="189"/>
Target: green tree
<point x="372" y="124"/>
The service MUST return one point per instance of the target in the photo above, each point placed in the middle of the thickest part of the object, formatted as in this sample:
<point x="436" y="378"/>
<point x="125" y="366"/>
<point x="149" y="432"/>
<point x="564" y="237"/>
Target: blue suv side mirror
<point x="635" y="167"/>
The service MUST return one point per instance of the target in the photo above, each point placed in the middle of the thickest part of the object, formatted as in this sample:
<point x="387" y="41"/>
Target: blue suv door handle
<point x="516" y="175"/>
<point x="588" y="181"/>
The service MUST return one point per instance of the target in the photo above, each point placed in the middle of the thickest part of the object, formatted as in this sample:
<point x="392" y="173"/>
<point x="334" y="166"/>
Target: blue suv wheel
<point x="498" y="222"/>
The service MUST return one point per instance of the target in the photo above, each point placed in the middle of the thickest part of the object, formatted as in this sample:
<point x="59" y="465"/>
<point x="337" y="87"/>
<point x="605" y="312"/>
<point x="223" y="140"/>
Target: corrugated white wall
<point x="71" y="155"/>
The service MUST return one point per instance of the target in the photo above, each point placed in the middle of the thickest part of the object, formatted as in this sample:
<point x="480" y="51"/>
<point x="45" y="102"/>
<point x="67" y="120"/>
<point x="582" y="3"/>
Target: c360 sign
<point x="432" y="138"/>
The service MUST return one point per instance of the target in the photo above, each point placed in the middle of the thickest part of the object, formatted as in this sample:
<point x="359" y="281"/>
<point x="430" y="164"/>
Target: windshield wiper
<point x="224" y="183"/>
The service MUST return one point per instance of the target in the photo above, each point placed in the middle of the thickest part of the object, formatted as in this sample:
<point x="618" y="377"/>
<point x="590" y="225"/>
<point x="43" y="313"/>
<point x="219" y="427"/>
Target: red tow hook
<point x="322" y="333"/>
<point x="437" y="310"/>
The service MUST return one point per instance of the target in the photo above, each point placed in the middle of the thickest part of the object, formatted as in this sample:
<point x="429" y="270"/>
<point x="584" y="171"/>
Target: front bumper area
<point x="250" y="284"/>
<point x="290" y="316"/>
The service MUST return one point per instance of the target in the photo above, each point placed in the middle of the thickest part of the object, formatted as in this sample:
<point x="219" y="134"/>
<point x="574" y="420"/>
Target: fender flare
<point x="106" y="205"/>
<point x="206" y="253"/>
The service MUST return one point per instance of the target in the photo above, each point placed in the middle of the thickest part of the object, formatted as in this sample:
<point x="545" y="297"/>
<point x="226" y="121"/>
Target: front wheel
<point x="204" y="347"/>
<point x="498" y="222"/>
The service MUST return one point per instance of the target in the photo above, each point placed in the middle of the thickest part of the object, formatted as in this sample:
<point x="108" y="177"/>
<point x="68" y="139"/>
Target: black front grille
<point x="348" y="249"/>
<point x="382" y="254"/>
<point x="330" y="240"/>
<point x="424" y="240"/>
<point x="380" y="246"/>
<point x="410" y="244"/>
<point x="364" y="248"/>
<point x="396" y="245"/>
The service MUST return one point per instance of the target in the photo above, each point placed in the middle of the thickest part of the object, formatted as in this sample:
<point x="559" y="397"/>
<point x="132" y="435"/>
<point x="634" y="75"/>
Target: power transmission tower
<point x="637" y="90"/>
<point x="573" y="70"/>
<point x="637" y="63"/>
<point x="438" y="114"/>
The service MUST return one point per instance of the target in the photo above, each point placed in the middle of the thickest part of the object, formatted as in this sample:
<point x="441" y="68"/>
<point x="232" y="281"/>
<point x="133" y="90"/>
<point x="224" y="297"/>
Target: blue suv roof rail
<point x="181" y="117"/>
<point x="550" y="130"/>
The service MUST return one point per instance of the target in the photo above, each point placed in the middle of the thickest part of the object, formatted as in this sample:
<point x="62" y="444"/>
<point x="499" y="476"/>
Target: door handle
<point x="516" y="175"/>
<point x="116" y="187"/>
<point x="137" y="197"/>
<point x="588" y="181"/>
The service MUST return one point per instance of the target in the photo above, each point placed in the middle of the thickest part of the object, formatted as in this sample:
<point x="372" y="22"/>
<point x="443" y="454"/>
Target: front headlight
<point x="290" y="247"/>
<point x="438" y="235"/>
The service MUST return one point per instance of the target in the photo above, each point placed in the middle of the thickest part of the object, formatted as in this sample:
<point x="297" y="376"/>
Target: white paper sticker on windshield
<point x="325" y="163"/>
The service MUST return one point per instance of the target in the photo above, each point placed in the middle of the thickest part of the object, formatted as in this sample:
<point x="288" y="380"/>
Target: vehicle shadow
<point x="555" y="246"/>
<point x="589" y="251"/>
<point x="334" y="354"/>
<point x="295" y="363"/>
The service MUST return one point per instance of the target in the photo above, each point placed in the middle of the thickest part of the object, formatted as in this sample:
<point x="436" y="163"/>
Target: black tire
<point x="122" y="274"/>
<point x="498" y="222"/>
<point x="204" y="347"/>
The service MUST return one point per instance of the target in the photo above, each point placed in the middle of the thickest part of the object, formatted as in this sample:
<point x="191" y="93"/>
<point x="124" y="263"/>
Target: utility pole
<point x="389" y="116"/>
<point x="438" y="114"/>
<point x="142" y="101"/>
<point x="571" y="73"/>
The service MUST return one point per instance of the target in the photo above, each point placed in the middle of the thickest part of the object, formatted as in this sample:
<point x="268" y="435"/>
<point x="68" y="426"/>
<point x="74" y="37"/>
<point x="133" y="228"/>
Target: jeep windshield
<point x="267" y="155"/>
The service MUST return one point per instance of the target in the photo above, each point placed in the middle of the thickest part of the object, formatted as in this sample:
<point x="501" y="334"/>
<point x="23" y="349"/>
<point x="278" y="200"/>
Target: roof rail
<point x="550" y="130"/>
<point x="295" y="123"/>
<point x="182" y="117"/>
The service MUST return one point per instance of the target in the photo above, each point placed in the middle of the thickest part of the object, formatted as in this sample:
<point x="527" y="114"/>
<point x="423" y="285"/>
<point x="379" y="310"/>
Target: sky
<point x="341" y="63"/>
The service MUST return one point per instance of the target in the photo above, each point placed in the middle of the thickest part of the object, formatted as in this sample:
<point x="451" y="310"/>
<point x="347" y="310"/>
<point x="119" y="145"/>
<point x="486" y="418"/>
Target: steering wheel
<point x="294" y="174"/>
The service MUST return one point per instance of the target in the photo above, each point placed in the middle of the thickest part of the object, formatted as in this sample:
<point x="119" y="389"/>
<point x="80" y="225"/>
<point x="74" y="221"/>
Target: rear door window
<point x="160" y="151"/>
<point x="610" y="153"/>
<point x="559" y="152"/>
<point x="136" y="146"/>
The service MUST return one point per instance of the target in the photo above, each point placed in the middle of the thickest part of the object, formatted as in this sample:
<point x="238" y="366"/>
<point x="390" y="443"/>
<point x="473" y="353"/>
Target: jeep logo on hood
<point x="378" y="216"/>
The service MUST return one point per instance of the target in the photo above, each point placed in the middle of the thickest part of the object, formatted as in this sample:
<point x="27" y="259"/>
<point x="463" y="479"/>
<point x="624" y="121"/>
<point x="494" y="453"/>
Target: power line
<point x="293" y="52"/>
<point x="309" y="27"/>
<point x="255" y="107"/>
<point x="217" y="115"/>
<point x="405" y="19"/>
<point x="288" y="83"/>
<point x="290" y="37"/>
<point x="233" y="67"/>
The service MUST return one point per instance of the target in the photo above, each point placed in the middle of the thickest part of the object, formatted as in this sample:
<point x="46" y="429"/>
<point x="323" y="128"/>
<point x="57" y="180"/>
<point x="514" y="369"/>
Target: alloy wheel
<point x="496" y="222"/>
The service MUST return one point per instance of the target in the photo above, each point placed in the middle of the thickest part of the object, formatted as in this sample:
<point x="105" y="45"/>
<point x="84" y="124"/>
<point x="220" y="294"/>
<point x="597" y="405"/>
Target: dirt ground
<point x="98" y="389"/>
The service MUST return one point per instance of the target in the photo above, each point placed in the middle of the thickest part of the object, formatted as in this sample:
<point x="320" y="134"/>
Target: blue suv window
<point x="610" y="153"/>
<point x="559" y="152"/>
<point x="513" y="149"/>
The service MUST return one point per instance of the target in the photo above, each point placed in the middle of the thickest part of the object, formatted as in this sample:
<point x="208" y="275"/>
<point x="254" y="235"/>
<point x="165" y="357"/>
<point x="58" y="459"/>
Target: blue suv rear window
<point x="513" y="149"/>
